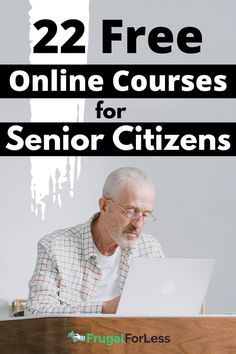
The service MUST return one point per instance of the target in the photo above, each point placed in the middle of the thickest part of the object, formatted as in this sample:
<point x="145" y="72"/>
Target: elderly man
<point x="82" y="269"/>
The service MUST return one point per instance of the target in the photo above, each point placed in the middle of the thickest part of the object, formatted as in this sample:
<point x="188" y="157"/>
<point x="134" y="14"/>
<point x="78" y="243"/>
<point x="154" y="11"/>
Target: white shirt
<point x="110" y="281"/>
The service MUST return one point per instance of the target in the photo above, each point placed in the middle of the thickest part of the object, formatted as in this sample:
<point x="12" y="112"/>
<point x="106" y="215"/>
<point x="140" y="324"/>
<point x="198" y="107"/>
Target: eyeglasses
<point x="135" y="214"/>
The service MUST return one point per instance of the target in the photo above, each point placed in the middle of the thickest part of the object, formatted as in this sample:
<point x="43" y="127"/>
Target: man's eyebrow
<point x="132" y="206"/>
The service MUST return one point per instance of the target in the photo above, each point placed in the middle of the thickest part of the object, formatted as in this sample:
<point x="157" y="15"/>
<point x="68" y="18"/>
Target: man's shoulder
<point x="69" y="236"/>
<point x="148" y="246"/>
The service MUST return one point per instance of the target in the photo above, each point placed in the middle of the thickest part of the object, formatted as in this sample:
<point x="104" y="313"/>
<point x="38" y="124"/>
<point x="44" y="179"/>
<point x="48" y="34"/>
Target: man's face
<point x="132" y="198"/>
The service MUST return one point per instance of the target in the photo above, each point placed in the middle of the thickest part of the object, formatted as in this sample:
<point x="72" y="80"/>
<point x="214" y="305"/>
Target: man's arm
<point x="110" y="306"/>
<point x="44" y="290"/>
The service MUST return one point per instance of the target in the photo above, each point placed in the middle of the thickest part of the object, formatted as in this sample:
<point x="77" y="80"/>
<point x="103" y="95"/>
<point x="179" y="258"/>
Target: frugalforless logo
<point x="121" y="338"/>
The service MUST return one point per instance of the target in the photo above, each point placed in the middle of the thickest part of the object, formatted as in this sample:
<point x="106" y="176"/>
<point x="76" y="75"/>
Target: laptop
<point x="165" y="286"/>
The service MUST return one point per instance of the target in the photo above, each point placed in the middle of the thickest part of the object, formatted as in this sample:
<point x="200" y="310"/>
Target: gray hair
<point x="122" y="176"/>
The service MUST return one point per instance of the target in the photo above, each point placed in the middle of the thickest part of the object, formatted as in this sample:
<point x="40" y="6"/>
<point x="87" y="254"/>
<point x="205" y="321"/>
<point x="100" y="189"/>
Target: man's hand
<point x="111" y="305"/>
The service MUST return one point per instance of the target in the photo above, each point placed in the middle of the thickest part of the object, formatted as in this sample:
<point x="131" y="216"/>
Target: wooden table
<point x="187" y="335"/>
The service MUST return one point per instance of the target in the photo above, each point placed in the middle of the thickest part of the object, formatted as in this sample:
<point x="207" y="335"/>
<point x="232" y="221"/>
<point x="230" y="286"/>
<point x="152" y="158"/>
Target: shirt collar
<point x="89" y="248"/>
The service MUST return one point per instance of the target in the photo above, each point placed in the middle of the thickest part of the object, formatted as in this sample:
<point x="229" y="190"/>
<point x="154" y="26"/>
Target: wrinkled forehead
<point x="137" y="194"/>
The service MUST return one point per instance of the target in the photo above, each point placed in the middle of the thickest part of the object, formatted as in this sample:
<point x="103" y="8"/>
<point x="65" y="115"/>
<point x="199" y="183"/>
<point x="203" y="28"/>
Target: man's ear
<point x="102" y="204"/>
